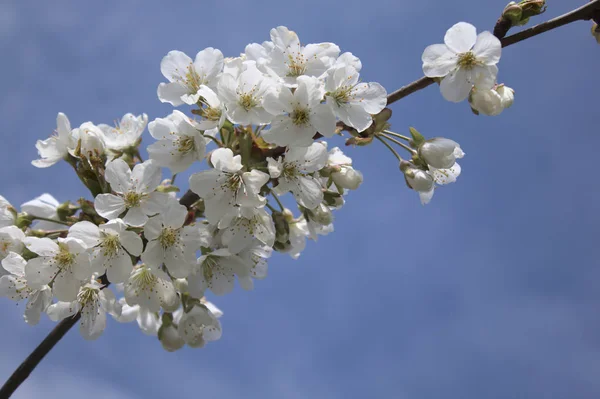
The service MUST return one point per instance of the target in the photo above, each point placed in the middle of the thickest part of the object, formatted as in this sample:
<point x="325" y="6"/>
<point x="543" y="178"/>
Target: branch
<point x="586" y="12"/>
<point x="35" y="357"/>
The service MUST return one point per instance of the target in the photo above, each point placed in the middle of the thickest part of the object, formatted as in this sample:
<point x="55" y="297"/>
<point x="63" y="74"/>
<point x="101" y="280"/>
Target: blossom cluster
<point x="141" y="251"/>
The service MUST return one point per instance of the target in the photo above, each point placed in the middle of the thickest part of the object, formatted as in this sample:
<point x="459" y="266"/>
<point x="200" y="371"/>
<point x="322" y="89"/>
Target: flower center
<point x="87" y="296"/>
<point x="186" y="144"/>
<point x="300" y="117"/>
<point x="296" y="64"/>
<point x="192" y="79"/>
<point x="247" y="101"/>
<point x="467" y="60"/>
<point x="143" y="280"/>
<point x="167" y="237"/>
<point x="110" y="245"/>
<point x="4" y="246"/>
<point x="64" y="258"/>
<point x="208" y="266"/>
<point x="133" y="199"/>
<point x="233" y="182"/>
<point x="211" y="114"/>
<point x="289" y="171"/>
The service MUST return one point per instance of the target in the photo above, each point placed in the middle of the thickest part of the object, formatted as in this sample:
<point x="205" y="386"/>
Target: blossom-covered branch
<point x="585" y="12"/>
<point x="257" y="125"/>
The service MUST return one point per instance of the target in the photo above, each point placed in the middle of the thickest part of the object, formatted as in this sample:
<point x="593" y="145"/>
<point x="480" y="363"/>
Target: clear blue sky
<point x="491" y="291"/>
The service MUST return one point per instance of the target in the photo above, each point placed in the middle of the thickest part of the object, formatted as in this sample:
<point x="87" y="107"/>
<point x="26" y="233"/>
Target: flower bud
<point x="282" y="228"/>
<point x="513" y="12"/>
<point x="532" y="8"/>
<point x="66" y="209"/>
<point x="348" y="178"/>
<point x="333" y="199"/>
<point x="596" y="32"/>
<point x="169" y="337"/>
<point x="507" y="95"/>
<point x="359" y="141"/>
<point x="23" y="220"/>
<point x="181" y="285"/>
<point x="321" y="214"/>
<point x="419" y="180"/>
<point x="441" y="153"/>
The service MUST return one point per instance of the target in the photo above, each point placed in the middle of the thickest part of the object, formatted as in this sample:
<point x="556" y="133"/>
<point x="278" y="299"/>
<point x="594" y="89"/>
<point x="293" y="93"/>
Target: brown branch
<point x="586" y="12"/>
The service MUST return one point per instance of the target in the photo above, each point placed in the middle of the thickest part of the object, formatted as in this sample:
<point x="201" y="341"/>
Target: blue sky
<point x="490" y="291"/>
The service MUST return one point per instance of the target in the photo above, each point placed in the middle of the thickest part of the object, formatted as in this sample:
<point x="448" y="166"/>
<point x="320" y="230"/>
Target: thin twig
<point x="582" y="13"/>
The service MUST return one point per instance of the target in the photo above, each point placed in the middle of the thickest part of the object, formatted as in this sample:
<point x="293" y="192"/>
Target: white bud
<point x="348" y="178"/>
<point x="419" y="180"/>
<point x="486" y="101"/>
<point x="441" y="153"/>
<point x="507" y="95"/>
<point x="170" y="339"/>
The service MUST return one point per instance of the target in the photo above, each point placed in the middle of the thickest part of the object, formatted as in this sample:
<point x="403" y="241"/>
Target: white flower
<point x="297" y="237"/>
<point x="44" y="206"/>
<point x="462" y="60"/>
<point x="11" y="240"/>
<point x="126" y="133"/>
<point x="348" y="59"/>
<point x="7" y="213"/>
<point x="216" y="271"/>
<point x="212" y="111"/>
<point x="226" y="185"/>
<point x="14" y="286"/>
<point x="135" y="192"/>
<point x="445" y="176"/>
<point x="148" y="321"/>
<point x="151" y="289"/>
<point x="293" y="173"/>
<point x="351" y="101"/>
<point x="89" y="138"/>
<point x="289" y="59"/>
<point x="93" y="302"/>
<point x="256" y="258"/>
<point x="66" y="264"/>
<point x="298" y="115"/>
<point x="111" y="246"/>
<point x="186" y="77"/>
<point x="342" y="172"/>
<point x="319" y="221"/>
<point x="56" y="147"/>
<point x="242" y="225"/>
<point x="441" y="153"/>
<point x="199" y="326"/>
<point x="180" y="142"/>
<point x="243" y="96"/>
<point x="169" y="242"/>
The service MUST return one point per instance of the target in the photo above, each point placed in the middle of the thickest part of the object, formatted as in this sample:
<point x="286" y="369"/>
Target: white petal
<point x="41" y="246"/>
<point x="109" y="206"/>
<point x="135" y="217"/>
<point x="456" y="87"/>
<point x="488" y="48"/>
<point x="118" y="175"/>
<point x="171" y="93"/>
<point x="461" y="37"/>
<point x="86" y="232"/>
<point x="438" y="60"/>
<point x="132" y="242"/>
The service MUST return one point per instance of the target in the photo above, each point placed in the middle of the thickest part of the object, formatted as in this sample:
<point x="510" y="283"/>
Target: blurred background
<point x="490" y="291"/>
